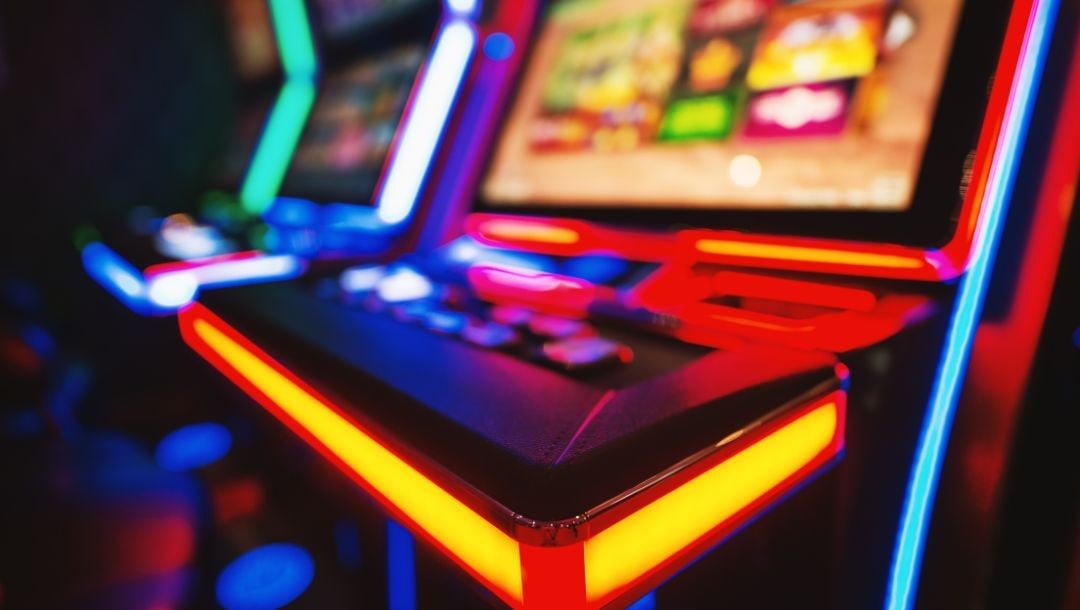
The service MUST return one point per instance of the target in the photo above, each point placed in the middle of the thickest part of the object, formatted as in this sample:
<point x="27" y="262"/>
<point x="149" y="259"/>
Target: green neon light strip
<point x="286" y="121"/>
<point x="293" y="33"/>
<point x="276" y="146"/>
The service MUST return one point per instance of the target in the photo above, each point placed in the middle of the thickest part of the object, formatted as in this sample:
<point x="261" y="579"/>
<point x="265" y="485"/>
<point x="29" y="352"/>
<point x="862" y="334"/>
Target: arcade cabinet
<point x="334" y="172"/>
<point x="698" y="284"/>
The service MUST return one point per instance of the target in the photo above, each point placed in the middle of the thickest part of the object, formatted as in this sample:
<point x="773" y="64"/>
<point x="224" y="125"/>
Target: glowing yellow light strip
<point x="802" y="253"/>
<point x="472" y="539"/>
<point x="527" y="231"/>
<point x="619" y="555"/>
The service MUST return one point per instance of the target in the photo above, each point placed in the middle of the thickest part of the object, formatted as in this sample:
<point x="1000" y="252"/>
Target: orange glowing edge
<point x="567" y="237"/>
<point x="515" y="231"/>
<point x="629" y="545"/>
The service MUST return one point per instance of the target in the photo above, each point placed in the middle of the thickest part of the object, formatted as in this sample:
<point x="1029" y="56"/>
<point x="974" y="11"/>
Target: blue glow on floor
<point x="347" y="544"/>
<point x="265" y="578"/>
<point x="193" y="447"/>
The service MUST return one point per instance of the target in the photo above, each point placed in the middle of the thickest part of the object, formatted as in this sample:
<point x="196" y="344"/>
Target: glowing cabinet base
<point x="615" y="552"/>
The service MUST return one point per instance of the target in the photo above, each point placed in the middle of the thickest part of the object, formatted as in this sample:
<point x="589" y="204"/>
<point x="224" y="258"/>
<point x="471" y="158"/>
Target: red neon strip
<point x="958" y="250"/>
<point x="793" y="291"/>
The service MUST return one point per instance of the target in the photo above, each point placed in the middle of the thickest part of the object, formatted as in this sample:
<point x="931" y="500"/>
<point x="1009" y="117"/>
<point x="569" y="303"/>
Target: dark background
<point x="104" y="105"/>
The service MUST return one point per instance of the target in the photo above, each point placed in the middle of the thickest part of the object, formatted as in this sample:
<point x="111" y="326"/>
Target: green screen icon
<point x="699" y="118"/>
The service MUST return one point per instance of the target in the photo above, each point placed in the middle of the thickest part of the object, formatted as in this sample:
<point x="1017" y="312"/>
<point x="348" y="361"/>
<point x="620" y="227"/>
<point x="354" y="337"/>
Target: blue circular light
<point x="1076" y="337"/>
<point x="193" y="447"/>
<point x="265" y="578"/>
<point x="498" y="46"/>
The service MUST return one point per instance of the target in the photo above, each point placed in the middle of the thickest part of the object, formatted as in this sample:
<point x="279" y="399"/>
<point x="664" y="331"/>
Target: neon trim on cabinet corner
<point x="743" y="477"/>
<point x="933" y="438"/>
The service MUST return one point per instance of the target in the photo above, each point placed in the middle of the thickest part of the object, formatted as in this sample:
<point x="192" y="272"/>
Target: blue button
<point x="489" y="334"/>
<point x="558" y="328"/>
<point x="445" y="321"/>
<point x="498" y="46"/>
<point x="265" y="578"/>
<point x="587" y="351"/>
<point x="193" y="447"/>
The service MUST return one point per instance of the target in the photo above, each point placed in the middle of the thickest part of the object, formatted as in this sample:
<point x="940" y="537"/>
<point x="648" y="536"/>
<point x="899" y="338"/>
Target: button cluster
<point x="410" y="297"/>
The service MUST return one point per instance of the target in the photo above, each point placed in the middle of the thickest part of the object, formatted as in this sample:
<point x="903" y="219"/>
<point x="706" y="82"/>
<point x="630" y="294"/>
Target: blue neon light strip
<point x="116" y="275"/>
<point x="428" y="116"/>
<point x="401" y="567"/>
<point x="926" y="470"/>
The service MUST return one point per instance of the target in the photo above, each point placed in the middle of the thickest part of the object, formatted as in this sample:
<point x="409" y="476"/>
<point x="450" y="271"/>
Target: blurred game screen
<point x="341" y="18"/>
<point x="725" y="104"/>
<point x="352" y="126"/>
<point x="251" y="35"/>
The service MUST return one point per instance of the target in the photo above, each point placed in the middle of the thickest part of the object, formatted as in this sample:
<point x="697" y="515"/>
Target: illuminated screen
<point x="341" y="154"/>
<point x="252" y="39"/>
<point x="725" y="104"/>
<point x="340" y="18"/>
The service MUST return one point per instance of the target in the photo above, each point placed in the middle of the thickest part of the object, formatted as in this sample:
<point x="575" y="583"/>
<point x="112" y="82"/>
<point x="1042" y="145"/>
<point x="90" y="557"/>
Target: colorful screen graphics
<point x="725" y="104"/>
<point x="352" y="127"/>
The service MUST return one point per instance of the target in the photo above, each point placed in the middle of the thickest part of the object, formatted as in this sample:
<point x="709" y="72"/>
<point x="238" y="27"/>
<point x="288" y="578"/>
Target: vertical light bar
<point x="430" y="110"/>
<point x="926" y="469"/>
<point x="289" y="113"/>
<point x="463" y="8"/>
<point x="400" y="567"/>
